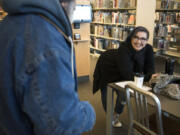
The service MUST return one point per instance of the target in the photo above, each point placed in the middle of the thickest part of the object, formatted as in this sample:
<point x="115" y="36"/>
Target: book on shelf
<point x="100" y="30"/>
<point x="97" y="16"/>
<point x="115" y="17"/>
<point x="104" y="44"/>
<point x="111" y="3"/>
<point x="106" y="4"/>
<point x="98" y="43"/>
<point x="178" y="18"/>
<point x="95" y="29"/>
<point x="107" y="17"/>
<point x="115" y="32"/>
<point x="125" y="17"/>
<point x="161" y="44"/>
<point x="125" y="34"/>
<point x="107" y="32"/>
<point x="120" y="3"/>
<point x="114" y="45"/>
<point x="115" y="4"/>
<point x="162" y="31"/>
<point x="132" y="3"/>
<point x="132" y="19"/>
<point x="97" y="3"/>
<point x="123" y="3"/>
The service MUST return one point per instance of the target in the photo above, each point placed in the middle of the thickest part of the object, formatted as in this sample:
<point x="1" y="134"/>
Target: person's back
<point x="38" y="87"/>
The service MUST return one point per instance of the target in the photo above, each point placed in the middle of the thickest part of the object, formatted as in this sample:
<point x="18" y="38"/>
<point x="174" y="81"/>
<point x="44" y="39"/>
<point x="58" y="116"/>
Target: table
<point x="168" y="105"/>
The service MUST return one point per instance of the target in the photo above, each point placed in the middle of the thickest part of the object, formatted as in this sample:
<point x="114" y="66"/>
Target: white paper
<point x="124" y="83"/>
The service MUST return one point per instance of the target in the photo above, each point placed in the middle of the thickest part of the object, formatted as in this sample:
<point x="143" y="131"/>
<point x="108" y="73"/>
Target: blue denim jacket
<point x="38" y="93"/>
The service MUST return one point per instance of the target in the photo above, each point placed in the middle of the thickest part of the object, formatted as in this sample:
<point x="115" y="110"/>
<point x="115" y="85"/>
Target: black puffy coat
<point x="121" y="64"/>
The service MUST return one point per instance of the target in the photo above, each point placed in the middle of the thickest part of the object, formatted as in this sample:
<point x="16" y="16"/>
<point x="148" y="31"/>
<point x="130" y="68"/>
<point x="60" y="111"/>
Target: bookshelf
<point x="106" y="38"/>
<point x="112" y="9"/>
<point x="81" y="46"/>
<point x="83" y="40"/>
<point x="167" y="27"/>
<point x="112" y="22"/>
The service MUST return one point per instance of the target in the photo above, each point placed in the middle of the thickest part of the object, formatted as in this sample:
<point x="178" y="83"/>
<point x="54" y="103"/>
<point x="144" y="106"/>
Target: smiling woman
<point x="136" y="55"/>
<point x="133" y="56"/>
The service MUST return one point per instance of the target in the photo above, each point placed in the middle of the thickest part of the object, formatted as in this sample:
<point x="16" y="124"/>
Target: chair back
<point x="139" y="117"/>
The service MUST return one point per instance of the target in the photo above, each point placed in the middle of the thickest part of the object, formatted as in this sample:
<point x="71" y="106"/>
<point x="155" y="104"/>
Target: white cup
<point x="139" y="81"/>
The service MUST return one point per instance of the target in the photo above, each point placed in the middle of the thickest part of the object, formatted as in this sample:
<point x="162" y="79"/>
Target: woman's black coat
<point x="121" y="64"/>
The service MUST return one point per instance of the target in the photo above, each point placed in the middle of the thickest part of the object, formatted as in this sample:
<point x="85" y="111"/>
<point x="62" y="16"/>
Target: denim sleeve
<point x="50" y="99"/>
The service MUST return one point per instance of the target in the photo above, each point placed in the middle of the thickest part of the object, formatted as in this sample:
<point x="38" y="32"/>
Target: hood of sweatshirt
<point x="52" y="9"/>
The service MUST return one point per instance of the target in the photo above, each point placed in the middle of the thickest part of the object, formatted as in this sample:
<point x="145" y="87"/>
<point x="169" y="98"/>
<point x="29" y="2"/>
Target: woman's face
<point x="139" y="40"/>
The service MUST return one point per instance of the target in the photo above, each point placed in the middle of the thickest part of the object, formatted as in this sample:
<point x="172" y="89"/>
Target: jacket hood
<point x="52" y="9"/>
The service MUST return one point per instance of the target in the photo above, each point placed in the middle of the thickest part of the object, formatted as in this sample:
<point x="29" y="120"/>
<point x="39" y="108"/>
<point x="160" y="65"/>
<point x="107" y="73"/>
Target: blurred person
<point x="133" y="56"/>
<point x="38" y="83"/>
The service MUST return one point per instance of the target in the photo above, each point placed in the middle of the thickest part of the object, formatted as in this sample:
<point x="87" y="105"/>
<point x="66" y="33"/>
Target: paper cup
<point x="139" y="80"/>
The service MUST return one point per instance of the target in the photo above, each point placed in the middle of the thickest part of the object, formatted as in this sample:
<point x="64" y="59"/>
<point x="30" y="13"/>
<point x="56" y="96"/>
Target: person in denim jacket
<point x="38" y="82"/>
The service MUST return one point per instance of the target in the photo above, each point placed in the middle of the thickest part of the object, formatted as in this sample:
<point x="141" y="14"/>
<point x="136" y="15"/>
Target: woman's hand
<point x="154" y="76"/>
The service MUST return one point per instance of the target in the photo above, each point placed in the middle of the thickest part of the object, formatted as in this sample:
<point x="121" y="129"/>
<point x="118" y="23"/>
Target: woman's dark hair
<point x="135" y="31"/>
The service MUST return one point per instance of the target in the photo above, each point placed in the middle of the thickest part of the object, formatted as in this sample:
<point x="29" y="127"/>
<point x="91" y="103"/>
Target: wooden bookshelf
<point x="113" y="9"/>
<point x="167" y="10"/>
<point x="94" y="55"/>
<point x="102" y="50"/>
<point x="167" y="30"/>
<point x="108" y="38"/>
<point x="84" y="40"/>
<point x="112" y="21"/>
<point x="114" y="24"/>
<point x="82" y="45"/>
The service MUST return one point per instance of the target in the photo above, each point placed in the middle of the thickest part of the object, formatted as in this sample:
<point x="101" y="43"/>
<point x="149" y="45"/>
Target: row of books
<point x="161" y="44"/>
<point x="163" y="30"/>
<point x="104" y="44"/>
<point x="114" y="17"/>
<point x="111" y="31"/>
<point x="113" y="3"/>
<point x="165" y="43"/>
<point x="168" y="17"/>
<point x="170" y="4"/>
<point x="160" y="30"/>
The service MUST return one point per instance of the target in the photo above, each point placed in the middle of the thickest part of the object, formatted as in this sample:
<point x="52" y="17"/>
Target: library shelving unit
<point x="112" y="22"/>
<point x="81" y="45"/>
<point x="167" y="28"/>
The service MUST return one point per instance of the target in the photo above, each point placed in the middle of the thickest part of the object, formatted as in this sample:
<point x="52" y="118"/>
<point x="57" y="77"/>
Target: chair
<point x="139" y="123"/>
